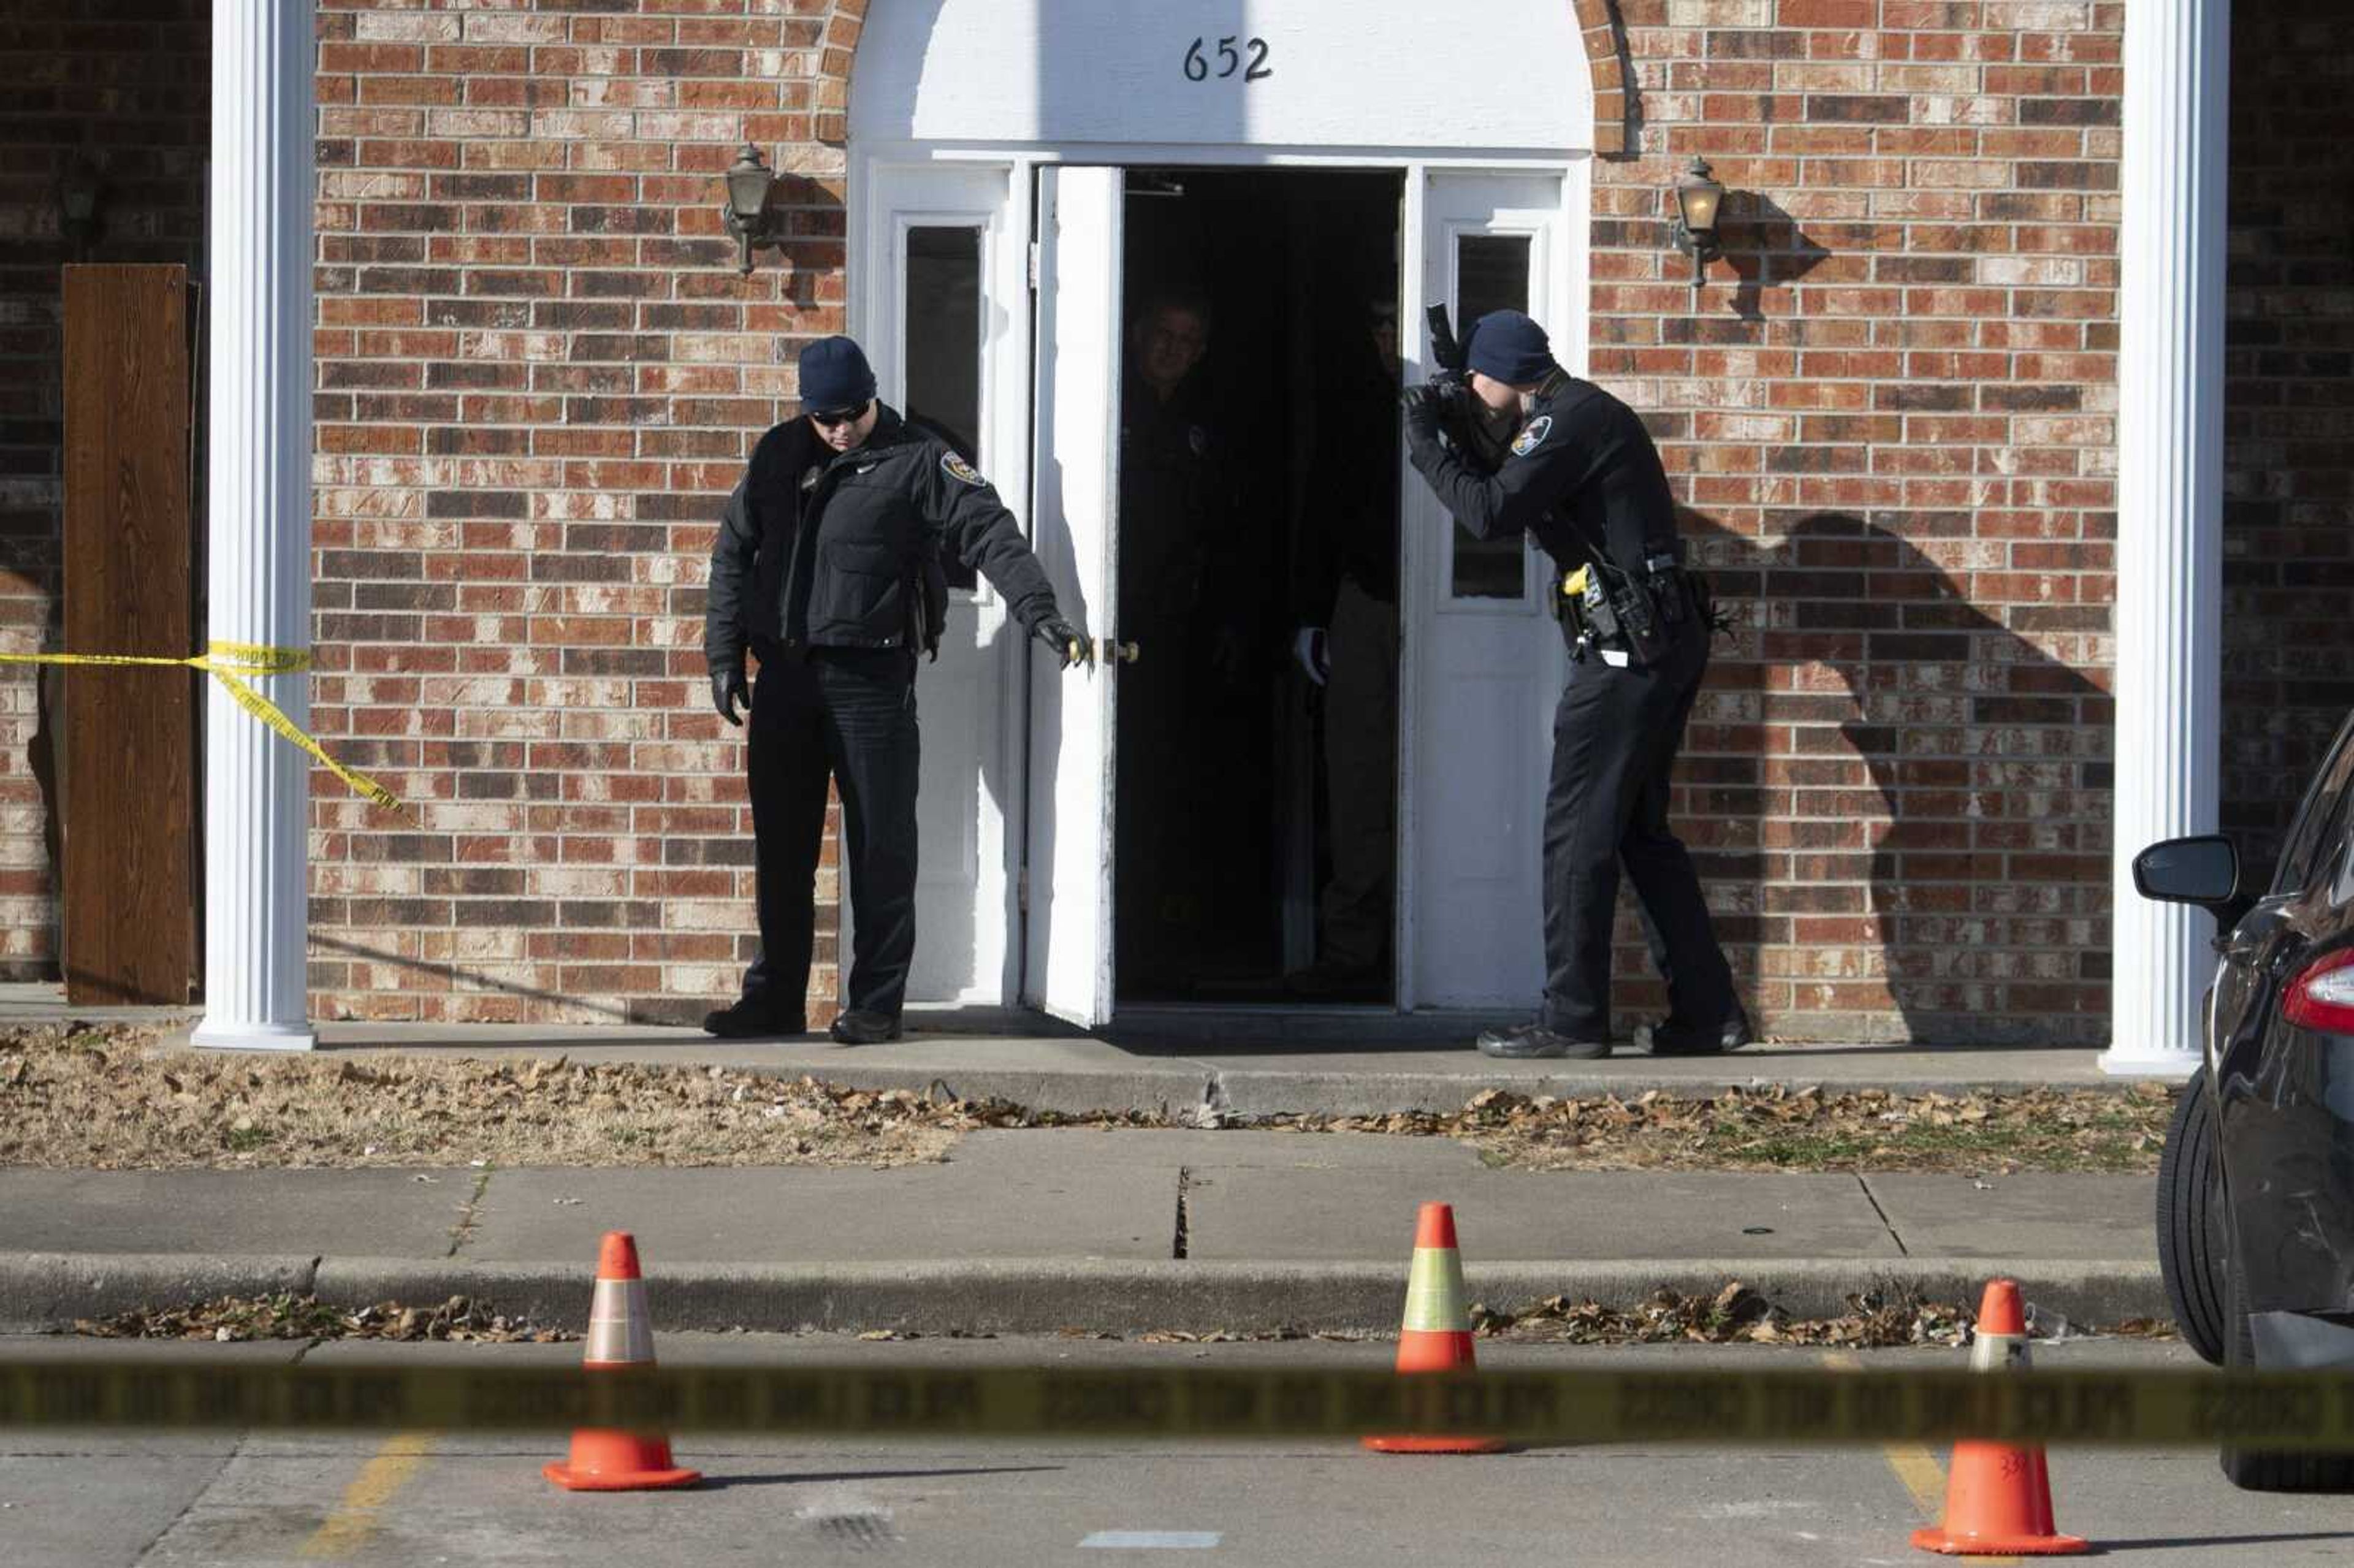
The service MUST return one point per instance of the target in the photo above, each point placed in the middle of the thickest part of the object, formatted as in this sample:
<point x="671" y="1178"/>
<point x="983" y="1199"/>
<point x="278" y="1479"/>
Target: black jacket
<point x="820" y="549"/>
<point x="1582" y="475"/>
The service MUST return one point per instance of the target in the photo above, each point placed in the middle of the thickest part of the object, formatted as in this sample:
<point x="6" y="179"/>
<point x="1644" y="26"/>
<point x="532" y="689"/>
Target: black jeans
<point x="849" y="713"/>
<point x="1614" y="737"/>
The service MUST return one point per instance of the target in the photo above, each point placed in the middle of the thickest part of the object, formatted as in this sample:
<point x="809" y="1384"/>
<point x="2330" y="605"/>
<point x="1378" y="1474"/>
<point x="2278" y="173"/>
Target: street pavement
<point x="98" y="1499"/>
<point x="1032" y="1231"/>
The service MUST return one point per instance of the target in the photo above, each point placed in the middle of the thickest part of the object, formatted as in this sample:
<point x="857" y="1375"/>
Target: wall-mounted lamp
<point x="1698" y="196"/>
<point x="77" y="193"/>
<point x="749" y="181"/>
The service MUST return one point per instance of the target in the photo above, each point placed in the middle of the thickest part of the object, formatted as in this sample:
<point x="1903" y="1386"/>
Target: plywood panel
<point x="129" y="786"/>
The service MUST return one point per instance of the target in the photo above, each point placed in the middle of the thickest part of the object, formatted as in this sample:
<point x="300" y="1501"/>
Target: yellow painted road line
<point x="1914" y="1465"/>
<point x="346" y="1530"/>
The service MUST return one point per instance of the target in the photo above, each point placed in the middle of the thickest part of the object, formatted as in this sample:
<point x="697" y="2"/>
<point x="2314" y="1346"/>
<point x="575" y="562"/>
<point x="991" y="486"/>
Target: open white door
<point x="1075" y="489"/>
<point x="1485" y="665"/>
<point x="943" y="313"/>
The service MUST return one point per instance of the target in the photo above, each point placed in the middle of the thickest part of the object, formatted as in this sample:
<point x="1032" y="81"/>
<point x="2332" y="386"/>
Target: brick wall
<point x="539" y="376"/>
<point x="123" y="89"/>
<point x="1890" y="414"/>
<point x="2288" y="640"/>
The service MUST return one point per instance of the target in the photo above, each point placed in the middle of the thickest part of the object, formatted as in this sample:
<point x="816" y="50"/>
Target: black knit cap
<point x="1507" y="347"/>
<point x="836" y="374"/>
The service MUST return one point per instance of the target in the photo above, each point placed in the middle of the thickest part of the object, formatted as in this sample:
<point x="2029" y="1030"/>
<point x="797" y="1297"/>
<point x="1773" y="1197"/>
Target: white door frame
<point x="870" y="287"/>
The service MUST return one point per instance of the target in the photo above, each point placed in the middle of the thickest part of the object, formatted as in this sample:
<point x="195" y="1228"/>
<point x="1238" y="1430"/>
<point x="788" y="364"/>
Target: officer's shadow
<point x="1886" y="789"/>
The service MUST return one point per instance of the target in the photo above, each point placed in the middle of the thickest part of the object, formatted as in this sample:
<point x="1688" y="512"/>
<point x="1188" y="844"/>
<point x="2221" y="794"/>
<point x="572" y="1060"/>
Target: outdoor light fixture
<point x="749" y="181"/>
<point x="1697" y="198"/>
<point x="78" y="191"/>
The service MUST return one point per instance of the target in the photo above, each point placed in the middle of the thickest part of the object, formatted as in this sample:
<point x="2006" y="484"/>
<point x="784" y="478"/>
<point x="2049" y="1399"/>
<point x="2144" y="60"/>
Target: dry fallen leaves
<point x="1808" y="1128"/>
<point x="103" y="1100"/>
<point x="288" y="1317"/>
<point x="97" y="1099"/>
<point x="1734" y="1315"/>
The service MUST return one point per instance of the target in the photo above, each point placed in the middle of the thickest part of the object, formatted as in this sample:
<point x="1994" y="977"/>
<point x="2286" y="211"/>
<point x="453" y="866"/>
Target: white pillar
<point x="258" y="512"/>
<point x="2170" y="512"/>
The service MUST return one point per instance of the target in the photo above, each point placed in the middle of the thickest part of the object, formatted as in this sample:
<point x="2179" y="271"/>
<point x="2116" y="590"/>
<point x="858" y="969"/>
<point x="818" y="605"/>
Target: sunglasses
<point x="849" y="416"/>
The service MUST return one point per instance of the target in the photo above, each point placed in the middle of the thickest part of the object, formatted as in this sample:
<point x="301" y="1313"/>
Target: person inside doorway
<point x="1345" y="599"/>
<point x="828" y="567"/>
<point x="1585" y="477"/>
<point x="1179" y="515"/>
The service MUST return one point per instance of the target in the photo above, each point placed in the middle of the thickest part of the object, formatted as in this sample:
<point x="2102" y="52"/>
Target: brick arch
<point x="1598" y="26"/>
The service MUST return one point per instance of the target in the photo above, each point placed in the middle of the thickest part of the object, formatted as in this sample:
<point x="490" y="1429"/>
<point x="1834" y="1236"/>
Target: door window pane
<point x="1491" y="273"/>
<point x="942" y="331"/>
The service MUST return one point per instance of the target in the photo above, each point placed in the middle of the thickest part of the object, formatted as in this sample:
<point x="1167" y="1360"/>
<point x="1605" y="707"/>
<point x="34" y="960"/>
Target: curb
<point x="45" y="1291"/>
<point x="42" y="1291"/>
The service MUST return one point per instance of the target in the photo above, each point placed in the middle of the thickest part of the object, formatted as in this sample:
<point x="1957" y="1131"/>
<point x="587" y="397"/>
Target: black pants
<point x="1615" y="739"/>
<point x="849" y="713"/>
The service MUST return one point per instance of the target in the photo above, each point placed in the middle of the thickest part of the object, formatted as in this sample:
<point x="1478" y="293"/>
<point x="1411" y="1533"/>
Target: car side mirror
<point x="2203" y="871"/>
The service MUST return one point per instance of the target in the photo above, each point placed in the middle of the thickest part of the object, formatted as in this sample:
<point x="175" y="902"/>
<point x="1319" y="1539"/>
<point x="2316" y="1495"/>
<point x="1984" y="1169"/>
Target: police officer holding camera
<point x="1583" y="476"/>
<point x="827" y="567"/>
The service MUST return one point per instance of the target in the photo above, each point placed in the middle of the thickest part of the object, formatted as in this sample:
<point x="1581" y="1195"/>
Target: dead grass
<point x="99" y="1099"/>
<point x="104" y="1099"/>
<point x="1782" y="1128"/>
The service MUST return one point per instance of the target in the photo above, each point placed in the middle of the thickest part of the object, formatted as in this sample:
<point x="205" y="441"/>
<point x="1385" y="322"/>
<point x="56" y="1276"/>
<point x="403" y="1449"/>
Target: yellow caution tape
<point x="225" y="662"/>
<point x="2149" y="1409"/>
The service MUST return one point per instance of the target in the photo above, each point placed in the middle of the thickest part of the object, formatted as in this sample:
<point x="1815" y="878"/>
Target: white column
<point x="257" y="511"/>
<point x="2170" y="512"/>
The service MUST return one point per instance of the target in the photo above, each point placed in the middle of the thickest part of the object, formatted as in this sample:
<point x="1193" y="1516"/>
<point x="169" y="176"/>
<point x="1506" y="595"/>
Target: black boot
<point x="1668" y="1038"/>
<point x="856" y="1028"/>
<point x="1534" y="1040"/>
<point x="751" y="1019"/>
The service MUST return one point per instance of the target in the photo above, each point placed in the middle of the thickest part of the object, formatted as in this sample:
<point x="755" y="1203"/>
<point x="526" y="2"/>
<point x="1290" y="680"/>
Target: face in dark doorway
<point x="1170" y="343"/>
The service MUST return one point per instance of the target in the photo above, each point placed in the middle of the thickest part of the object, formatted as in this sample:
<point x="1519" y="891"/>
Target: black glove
<point x="727" y="689"/>
<point x="1071" y="643"/>
<point x="1422" y="405"/>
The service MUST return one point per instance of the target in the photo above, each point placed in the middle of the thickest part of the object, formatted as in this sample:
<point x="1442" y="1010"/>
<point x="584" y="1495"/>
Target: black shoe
<point x="1534" y="1040"/>
<point x="856" y="1028"/>
<point x="1674" y="1040"/>
<point x="750" y="1019"/>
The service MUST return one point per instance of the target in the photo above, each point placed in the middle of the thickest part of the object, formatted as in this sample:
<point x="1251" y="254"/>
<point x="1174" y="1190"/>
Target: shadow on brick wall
<point x="1929" y="786"/>
<point x="1765" y="247"/>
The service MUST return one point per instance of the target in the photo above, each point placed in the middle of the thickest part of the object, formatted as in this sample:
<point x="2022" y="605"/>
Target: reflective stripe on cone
<point x="1436" y="1336"/>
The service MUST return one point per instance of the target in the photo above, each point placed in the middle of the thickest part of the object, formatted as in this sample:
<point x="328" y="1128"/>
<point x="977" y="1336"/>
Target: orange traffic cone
<point x="1436" y="1334"/>
<point x="1999" y="1501"/>
<point x="621" y="1336"/>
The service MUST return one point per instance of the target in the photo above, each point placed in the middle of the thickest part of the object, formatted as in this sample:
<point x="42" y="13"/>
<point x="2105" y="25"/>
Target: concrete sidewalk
<point x="1208" y="1065"/>
<point x="1240" y="1065"/>
<point x="1118" y="1232"/>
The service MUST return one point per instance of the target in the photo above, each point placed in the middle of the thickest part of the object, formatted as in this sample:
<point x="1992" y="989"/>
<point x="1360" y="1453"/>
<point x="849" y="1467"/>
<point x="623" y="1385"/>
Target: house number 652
<point x="1197" y="59"/>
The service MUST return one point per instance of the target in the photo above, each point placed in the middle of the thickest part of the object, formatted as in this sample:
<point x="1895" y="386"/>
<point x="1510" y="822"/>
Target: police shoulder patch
<point x="1533" y="436"/>
<point x="956" y="468"/>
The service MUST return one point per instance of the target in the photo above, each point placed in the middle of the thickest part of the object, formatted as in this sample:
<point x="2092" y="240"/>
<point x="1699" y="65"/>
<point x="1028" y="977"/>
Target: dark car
<point x="2256" y="1194"/>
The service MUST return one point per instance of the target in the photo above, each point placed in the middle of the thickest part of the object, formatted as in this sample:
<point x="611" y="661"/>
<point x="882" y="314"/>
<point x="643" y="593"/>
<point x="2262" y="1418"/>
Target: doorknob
<point x="1114" y="651"/>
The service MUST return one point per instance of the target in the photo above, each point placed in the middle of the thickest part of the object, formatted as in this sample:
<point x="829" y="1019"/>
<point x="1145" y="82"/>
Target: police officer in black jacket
<point x="827" y="567"/>
<point x="1584" y="477"/>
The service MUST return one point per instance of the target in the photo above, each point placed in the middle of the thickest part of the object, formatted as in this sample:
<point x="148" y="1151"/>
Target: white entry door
<point x="1484" y="661"/>
<point x="942" y="255"/>
<point x="1073" y="496"/>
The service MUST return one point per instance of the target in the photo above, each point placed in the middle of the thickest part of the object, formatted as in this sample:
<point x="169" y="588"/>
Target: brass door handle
<point x="1114" y="653"/>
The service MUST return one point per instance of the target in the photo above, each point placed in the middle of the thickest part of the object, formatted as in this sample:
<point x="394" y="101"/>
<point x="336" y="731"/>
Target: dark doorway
<point x="1256" y="776"/>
